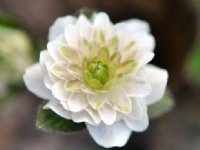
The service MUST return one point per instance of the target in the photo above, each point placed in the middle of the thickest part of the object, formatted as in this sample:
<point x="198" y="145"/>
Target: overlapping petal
<point x="108" y="114"/>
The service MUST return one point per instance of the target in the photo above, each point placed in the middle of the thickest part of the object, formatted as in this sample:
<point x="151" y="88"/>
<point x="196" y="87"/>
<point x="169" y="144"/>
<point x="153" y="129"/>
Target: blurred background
<point x="24" y="27"/>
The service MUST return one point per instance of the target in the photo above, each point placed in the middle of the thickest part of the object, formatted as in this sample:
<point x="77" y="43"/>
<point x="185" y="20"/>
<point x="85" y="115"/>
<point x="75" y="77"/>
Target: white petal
<point x="82" y="116"/>
<point x="141" y="41"/>
<point x="108" y="114"/>
<point x="77" y="102"/>
<point x="137" y="120"/>
<point x="87" y="90"/>
<point x="97" y="100"/>
<point x="137" y="124"/>
<point x="136" y="25"/>
<point x="54" y="50"/>
<point x="123" y="34"/>
<point x="59" y="25"/>
<point x="58" y="109"/>
<point x="85" y="27"/>
<point x="94" y="114"/>
<point x="48" y="82"/>
<point x="72" y="36"/>
<point x="115" y="135"/>
<point x="136" y="85"/>
<point x="45" y="59"/>
<point x="120" y="100"/>
<point x="158" y="79"/>
<point x="46" y="62"/>
<point x="59" y="91"/>
<point x="33" y="79"/>
<point x="143" y="58"/>
<point x="144" y="41"/>
<point x="65" y="105"/>
<point x="59" y="69"/>
<point x="101" y="20"/>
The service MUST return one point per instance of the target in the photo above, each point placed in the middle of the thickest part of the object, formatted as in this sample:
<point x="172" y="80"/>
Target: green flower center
<point x="103" y="67"/>
<point x="96" y="73"/>
<point x="99" y="71"/>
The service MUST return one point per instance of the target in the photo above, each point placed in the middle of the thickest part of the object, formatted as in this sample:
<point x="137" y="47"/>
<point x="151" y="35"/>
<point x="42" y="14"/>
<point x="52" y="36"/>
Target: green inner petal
<point x="96" y="84"/>
<point x="126" y="67"/>
<point x="104" y="55"/>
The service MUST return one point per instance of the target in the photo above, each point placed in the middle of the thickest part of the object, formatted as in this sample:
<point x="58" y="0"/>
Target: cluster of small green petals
<point x="99" y="71"/>
<point x="96" y="73"/>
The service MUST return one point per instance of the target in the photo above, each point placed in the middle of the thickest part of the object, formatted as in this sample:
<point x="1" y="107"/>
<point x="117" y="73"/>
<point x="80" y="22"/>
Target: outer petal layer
<point x="158" y="79"/>
<point x="138" y="119"/>
<point x="33" y="79"/>
<point x="110" y="136"/>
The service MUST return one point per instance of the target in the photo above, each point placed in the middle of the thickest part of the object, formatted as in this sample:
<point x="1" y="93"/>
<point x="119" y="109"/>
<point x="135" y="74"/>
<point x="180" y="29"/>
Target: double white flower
<point x="96" y="72"/>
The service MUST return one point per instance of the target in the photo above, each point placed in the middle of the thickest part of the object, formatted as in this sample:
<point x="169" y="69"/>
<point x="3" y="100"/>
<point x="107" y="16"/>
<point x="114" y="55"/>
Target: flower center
<point x="99" y="71"/>
<point x="96" y="73"/>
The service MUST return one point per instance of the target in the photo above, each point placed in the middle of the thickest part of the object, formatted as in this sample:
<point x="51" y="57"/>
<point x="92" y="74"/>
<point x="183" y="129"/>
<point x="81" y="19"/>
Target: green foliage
<point x="6" y="20"/>
<point x="47" y="120"/>
<point x="161" y="107"/>
<point x="193" y="66"/>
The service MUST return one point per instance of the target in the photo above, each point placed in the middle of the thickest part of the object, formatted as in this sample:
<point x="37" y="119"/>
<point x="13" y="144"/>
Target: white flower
<point x="97" y="72"/>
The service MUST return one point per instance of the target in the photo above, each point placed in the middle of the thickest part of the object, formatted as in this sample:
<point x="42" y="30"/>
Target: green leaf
<point x="161" y="107"/>
<point x="47" y="120"/>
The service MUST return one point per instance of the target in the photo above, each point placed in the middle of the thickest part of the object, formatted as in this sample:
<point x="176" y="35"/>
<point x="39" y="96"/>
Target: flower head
<point x="97" y="72"/>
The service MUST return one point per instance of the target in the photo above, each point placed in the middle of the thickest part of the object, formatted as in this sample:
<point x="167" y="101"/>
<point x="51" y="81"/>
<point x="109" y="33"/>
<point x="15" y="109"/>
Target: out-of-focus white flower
<point x="15" y="56"/>
<point x="97" y="72"/>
